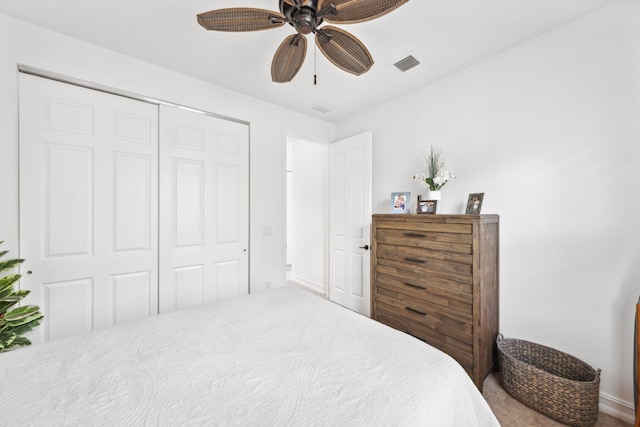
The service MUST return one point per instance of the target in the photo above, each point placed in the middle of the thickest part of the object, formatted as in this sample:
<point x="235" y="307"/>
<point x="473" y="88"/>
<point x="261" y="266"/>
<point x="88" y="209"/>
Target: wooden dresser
<point x="436" y="278"/>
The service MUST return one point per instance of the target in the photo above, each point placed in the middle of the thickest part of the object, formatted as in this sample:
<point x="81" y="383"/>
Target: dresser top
<point x="467" y="218"/>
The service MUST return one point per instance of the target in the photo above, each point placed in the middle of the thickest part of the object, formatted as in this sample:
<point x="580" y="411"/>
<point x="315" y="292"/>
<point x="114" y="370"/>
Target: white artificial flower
<point x="437" y="176"/>
<point x="439" y="180"/>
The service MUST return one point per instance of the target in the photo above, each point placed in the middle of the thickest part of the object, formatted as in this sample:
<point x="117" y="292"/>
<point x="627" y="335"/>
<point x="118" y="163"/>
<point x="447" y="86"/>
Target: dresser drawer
<point x="452" y="323"/>
<point x="459" y="350"/>
<point x="434" y="224"/>
<point x="427" y="258"/>
<point x="457" y="272"/>
<point x="430" y="254"/>
<point x="451" y="296"/>
<point x="437" y="241"/>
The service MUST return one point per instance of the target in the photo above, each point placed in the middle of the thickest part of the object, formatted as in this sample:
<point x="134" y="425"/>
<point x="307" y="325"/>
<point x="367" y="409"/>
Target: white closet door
<point x="88" y="206"/>
<point x="204" y="208"/>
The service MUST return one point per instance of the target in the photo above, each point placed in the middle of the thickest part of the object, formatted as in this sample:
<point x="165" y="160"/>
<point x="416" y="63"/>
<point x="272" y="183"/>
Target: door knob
<point x="365" y="247"/>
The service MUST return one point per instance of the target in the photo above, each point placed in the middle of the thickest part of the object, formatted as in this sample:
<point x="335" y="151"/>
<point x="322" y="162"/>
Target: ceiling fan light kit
<point x="306" y="16"/>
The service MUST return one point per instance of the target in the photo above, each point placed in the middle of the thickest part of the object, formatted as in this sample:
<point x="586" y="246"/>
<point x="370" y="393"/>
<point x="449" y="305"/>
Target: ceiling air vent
<point x="407" y="63"/>
<point x="323" y="108"/>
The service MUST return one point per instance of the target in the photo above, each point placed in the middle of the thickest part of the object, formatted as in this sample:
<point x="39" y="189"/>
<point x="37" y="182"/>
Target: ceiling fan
<point x="340" y="47"/>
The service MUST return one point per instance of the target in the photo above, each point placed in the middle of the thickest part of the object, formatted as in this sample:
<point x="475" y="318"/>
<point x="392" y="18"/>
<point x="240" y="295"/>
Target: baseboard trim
<point x="617" y="408"/>
<point x="314" y="287"/>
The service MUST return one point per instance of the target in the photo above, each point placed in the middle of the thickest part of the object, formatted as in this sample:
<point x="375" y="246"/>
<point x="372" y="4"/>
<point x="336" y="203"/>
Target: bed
<point x="283" y="357"/>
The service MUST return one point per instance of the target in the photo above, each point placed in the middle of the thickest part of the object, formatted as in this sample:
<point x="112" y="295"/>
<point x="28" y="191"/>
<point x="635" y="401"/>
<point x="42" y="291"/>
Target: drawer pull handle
<point x="415" y="286"/>
<point x="415" y="235"/>
<point x="417" y="261"/>
<point x="413" y="310"/>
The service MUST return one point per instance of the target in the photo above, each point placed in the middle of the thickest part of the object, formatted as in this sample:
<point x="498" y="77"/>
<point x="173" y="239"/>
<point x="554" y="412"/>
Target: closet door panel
<point x="68" y="200"/>
<point x="132" y="202"/>
<point x="189" y="286"/>
<point x="69" y="307"/>
<point x="188" y="195"/>
<point x="203" y="209"/>
<point x="88" y="206"/>
<point x="131" y="296"/>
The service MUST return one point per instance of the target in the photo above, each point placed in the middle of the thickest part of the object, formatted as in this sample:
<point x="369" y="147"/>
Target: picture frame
<point x="401" y="202"/>
<point x="474" y="203"/>
<point x="427" y="206"/>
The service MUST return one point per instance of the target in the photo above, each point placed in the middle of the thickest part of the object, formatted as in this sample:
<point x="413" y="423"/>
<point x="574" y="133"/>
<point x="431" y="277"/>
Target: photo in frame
<point x="427" y="206"/>
<point x="401" y="202"/>
<point x="474" y="203"/>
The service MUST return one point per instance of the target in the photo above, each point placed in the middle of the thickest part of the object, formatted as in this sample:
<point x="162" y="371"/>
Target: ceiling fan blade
<point x="344" y="50"/>
<point x="353" y="11"/>
<point x="288" y="58"/>
<point x="241" y="19"/>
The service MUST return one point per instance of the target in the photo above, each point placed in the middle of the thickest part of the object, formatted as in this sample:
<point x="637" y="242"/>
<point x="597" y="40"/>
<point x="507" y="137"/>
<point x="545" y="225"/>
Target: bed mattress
<point x="283" y="357"/>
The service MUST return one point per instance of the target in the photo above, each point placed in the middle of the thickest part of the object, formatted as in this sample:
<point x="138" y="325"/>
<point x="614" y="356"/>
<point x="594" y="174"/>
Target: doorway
<point x="307" y="189"/>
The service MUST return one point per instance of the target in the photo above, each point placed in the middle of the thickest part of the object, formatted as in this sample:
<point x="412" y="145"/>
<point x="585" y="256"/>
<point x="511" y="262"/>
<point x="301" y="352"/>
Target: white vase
<point x="435" y="195"/>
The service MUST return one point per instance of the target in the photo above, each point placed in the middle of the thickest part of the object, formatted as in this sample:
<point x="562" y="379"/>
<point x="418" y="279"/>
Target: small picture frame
<point x="401" y="202"/>
<point x="427" y="206"/>
<point x="474" y="203"/>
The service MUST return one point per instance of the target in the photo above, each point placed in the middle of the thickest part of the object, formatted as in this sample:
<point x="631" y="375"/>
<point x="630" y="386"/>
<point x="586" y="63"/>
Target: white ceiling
<point x="444" y="35"/>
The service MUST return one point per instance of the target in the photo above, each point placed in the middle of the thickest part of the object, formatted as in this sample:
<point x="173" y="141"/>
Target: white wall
<point x="22" y="43"/>
<point x="550" y="131"/>
<point x="310" y="165"/>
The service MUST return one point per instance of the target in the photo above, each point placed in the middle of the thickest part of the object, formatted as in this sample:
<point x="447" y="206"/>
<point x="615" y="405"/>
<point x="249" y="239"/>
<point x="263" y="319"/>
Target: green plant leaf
<point x="21" y="313"/>
<point x="8" y="294"/>
<point x="8" y="265"/>
<point x="14" y="322"/>
<point x="15" y="296"/>
<point x="21" y="341"/>
<point x="6" y="340"/>
<point x="6" y="304"/>
<point x="9" y="280"/>
<point x="23" y="329"/>
<point x="432" y="185"/>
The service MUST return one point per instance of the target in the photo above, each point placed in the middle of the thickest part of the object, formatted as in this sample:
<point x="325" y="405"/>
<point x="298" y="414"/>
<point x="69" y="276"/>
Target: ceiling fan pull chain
<point x="315" y="65"/>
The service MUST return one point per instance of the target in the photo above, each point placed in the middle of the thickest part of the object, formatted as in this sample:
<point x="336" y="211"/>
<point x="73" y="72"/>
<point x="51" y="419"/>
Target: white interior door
<point x="88" y="206"/>
<point x="350" y="222"/>
<point x="204" y="208"/>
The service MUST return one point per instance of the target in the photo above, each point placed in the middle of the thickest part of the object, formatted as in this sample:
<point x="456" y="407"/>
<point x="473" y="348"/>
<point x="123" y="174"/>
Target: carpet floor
<point x="512" y="413"/>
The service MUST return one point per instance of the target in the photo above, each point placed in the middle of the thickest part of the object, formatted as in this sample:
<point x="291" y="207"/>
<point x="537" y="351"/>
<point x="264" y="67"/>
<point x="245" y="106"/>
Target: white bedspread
<point x="283" y="357"/>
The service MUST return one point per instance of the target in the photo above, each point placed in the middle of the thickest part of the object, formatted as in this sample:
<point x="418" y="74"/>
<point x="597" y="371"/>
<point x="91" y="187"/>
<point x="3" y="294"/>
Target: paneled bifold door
<point x="204" y="209"/>
<point x="90" y="209"/>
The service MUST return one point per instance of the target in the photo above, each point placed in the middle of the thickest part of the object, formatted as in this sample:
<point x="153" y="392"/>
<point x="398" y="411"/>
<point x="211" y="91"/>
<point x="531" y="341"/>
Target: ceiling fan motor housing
<point x="302" y="17"/>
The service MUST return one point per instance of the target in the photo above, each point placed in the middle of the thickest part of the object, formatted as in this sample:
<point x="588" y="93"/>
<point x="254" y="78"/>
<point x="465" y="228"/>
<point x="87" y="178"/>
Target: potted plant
<point x="436" y="177"/>
<point x="14" y="321"/>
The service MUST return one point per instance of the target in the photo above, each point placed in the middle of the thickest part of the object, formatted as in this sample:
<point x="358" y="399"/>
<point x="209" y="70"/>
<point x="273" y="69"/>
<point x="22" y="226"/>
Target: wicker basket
<point x="553" y="383"/>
